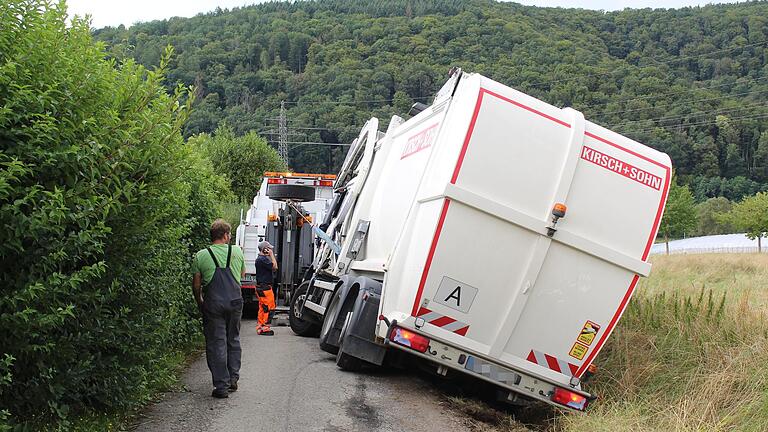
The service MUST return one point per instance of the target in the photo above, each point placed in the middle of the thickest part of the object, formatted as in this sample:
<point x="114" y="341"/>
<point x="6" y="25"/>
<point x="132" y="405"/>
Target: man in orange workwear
<point x="266" y="266"/>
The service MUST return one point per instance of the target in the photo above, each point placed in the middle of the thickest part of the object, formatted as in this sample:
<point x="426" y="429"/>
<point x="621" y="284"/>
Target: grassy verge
<point x="690" y="354"/>
<point x="170" y="369"/>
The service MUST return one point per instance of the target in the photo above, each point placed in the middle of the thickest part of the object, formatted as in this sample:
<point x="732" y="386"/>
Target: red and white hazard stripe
<point x="443" y="321"/>
<point x="553" y="363"/>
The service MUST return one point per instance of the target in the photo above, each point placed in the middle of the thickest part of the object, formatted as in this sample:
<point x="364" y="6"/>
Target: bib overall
<point x="222" y="309"/>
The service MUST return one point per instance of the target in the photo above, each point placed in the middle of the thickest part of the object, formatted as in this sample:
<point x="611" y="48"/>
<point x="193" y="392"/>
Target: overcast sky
<point x="116" y="12"/>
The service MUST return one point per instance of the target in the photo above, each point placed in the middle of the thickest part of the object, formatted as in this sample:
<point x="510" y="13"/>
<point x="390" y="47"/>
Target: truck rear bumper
<point x="521" y="382"/>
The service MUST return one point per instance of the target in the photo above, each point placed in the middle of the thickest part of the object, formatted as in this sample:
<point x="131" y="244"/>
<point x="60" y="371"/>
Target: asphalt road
<point x="288" y="384"/>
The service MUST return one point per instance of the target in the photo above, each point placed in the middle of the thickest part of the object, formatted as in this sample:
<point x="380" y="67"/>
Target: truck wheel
<point x="300" y="326"/>
<point x="283" y="192"/>
<point x="343" y="360"/>
<point x="328" y="342"/>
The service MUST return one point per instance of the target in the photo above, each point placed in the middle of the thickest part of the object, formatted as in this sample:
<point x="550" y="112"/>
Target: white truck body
<point x="460" y="198"/>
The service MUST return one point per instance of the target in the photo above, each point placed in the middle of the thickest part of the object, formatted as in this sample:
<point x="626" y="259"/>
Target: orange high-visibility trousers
<point x="266" y="305"/>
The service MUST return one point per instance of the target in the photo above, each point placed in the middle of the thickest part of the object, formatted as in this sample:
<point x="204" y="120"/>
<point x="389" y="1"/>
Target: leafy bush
<point x="242" y="159"/>
<point x="707" y="217"/>
<point x="100" y="204"/>
<point x="750" y="216"/>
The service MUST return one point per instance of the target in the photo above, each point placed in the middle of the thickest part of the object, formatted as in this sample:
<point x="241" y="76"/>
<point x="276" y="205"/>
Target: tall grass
<point x="691" y="352"/>
<point x="735" y="274"/>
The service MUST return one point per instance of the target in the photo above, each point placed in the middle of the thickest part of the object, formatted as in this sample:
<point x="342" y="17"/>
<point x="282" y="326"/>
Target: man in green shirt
<point x="216" y="289"/>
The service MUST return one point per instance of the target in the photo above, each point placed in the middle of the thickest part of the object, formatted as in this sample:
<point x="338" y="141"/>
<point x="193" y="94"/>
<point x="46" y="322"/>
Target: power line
<point x="571" y="78"/>
<point x="748" y="117"/>
<point x="315" y="128"/>
<point x="699" y="114"/>
<point x="687" y="102"/>
<point x="319" y="143"/>
<point x="690" y="89"/>
<point x="352" y="102"/>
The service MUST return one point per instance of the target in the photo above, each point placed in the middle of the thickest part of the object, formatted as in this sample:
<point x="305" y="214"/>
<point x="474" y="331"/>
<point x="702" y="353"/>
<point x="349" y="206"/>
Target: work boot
<point x="233" y="386"/>
<point x="220" y="394"/>
<point x="264" y="331"/>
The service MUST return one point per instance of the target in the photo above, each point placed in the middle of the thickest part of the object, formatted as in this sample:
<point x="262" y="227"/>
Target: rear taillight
<point x="409" y="339"/>
<point x="569" y="399"/>
<point x="325" y="183"/>
<point x="277" y="181"/>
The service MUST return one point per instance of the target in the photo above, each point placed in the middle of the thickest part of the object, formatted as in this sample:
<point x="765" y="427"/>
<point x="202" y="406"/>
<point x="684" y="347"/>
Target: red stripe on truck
<point x="467" y="137"/>
<point x="573" y="369"/>
<point x="431" y="255"/>
<point x="462" y="331"/>
<point x="442" y="321"/>
<point x="552" y="363"/>
<point x="526" y="107"/>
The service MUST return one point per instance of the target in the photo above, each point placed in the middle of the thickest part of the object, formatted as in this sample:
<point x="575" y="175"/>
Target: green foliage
<point x="231" y="211"/>
<point x="679" y="213"/>
<point x="750" y="216"/>
<point x="98" y="202"/>
<point x="690" y="82"/>
<point x="241" y="159"/>
<point x="733" y="189"/>
<point x="5" y="380"/>
<point x="208" y="191"/>
<point x="707" y="215"/>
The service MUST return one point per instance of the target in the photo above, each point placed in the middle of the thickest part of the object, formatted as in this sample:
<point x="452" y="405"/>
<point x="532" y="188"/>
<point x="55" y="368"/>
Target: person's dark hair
<point x="219" y="228"/>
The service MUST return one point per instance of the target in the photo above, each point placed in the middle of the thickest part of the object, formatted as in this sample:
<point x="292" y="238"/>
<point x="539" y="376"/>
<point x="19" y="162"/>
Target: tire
<point x="327" y="343"/>
<point x="283" y="192"/>
<point x="299" y="326"/>
<point x="345" y="361"/>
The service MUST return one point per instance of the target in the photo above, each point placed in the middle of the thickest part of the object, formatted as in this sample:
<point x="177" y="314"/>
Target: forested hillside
<point x="690" y="82"/>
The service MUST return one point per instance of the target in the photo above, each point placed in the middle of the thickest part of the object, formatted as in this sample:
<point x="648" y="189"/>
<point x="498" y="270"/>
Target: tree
<point x="751" y="216"/>
<point x="241" y="159"/>
<point x="679" y="213"/>
<point x="336" y="55"/>
<point x="761" y="157"/>
<point x="728" y="141"/>
<point x="707" y="215"/>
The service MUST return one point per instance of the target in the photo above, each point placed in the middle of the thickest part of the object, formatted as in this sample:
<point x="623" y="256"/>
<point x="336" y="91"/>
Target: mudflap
<point x="335" y="316"/>
<point x="360" y="336"/>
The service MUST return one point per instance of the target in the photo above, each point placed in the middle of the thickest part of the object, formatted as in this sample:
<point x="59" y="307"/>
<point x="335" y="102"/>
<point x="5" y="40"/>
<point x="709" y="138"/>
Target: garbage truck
<point x="490" y="234"/>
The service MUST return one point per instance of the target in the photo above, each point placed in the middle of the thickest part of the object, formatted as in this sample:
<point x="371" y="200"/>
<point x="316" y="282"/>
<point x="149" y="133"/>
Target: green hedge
<point x="100" y="206"/>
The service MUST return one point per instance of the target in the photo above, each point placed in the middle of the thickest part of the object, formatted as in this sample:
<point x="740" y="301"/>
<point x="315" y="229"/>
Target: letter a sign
<point x="455" y="294"/>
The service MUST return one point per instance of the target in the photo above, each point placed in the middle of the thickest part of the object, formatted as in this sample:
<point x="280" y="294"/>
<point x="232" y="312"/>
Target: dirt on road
<point x="288" y="384"/>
